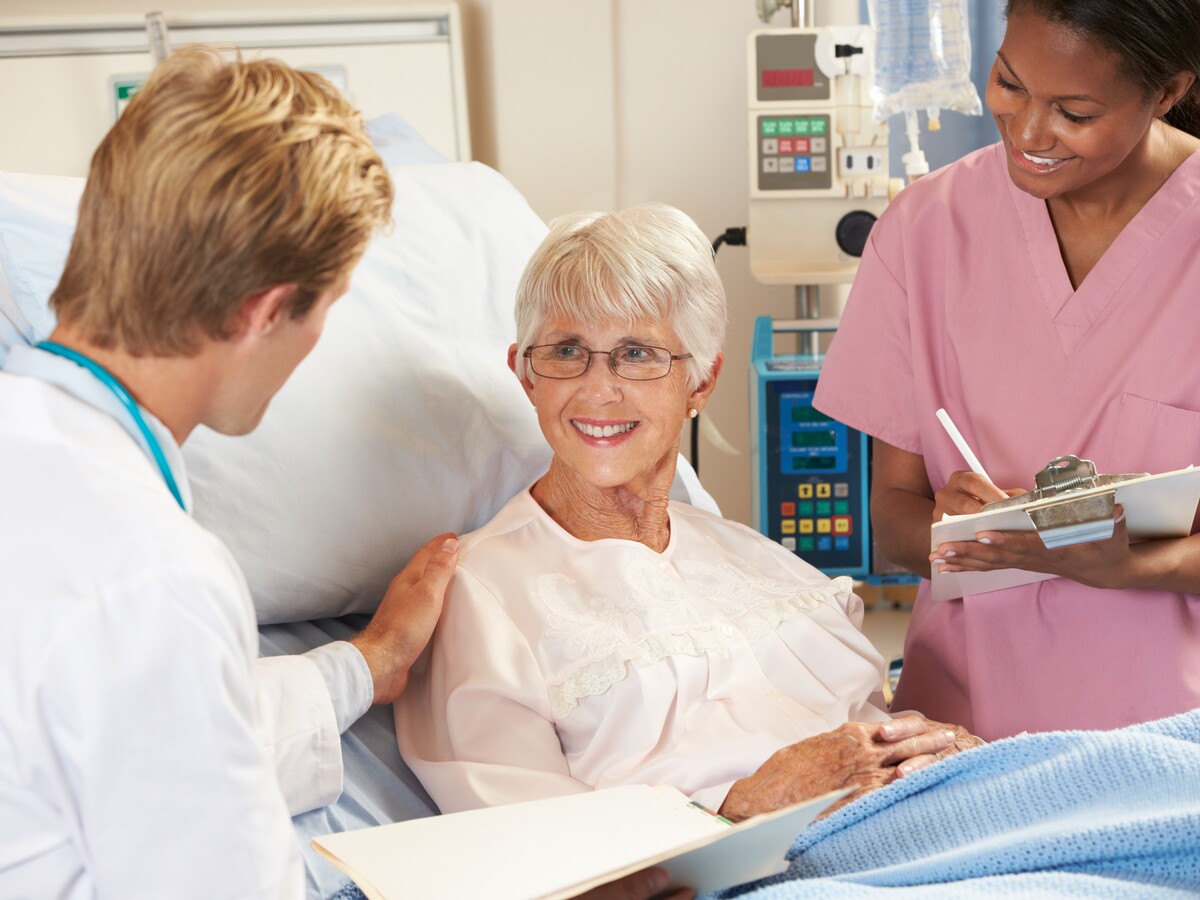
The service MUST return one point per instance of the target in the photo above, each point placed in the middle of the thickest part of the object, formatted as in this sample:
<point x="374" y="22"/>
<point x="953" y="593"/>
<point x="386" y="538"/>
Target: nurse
<point x="1042" y="290"/>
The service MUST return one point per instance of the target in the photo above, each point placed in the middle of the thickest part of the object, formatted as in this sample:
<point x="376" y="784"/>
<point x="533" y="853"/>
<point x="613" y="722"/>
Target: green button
<point x="770" y="127"/>
<point x="823" y="507"/>
<point x="818" y="126"/>
<point x="801" y="126"/>
<point x="804" y="508"/>
<point x="841" y="507"/>
<point x="806" y="543"/>
<point x="786" y="126"/>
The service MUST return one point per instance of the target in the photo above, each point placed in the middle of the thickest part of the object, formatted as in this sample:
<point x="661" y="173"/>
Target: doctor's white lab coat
<point x="132" y="758"/>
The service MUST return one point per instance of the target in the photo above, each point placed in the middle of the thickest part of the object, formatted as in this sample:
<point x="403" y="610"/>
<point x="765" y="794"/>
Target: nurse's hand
<point x="964" y="493"/>
<point x="858" y="755"/>
<point x="1105" y="564"/>
<point x="402" y="625"/>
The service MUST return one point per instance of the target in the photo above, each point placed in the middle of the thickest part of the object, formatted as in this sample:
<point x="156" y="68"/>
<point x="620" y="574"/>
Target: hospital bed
<point x="403" y="422"/>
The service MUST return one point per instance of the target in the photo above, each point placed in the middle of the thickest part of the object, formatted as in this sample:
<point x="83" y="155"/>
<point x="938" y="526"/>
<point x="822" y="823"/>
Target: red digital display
<point x="787" y="78"/>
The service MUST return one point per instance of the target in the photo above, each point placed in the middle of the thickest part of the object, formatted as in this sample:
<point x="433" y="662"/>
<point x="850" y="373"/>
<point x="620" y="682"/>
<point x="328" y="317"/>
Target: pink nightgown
<point x="963" y="301"/>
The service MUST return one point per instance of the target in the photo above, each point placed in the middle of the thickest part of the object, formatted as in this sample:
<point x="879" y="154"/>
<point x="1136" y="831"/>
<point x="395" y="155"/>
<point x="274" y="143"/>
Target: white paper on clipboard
<point x="1156" y="506"/>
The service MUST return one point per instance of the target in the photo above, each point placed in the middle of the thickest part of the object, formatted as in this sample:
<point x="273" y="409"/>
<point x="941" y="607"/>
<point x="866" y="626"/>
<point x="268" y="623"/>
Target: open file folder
<point x="558" y="847"/>
<point x="1156" y="506"/>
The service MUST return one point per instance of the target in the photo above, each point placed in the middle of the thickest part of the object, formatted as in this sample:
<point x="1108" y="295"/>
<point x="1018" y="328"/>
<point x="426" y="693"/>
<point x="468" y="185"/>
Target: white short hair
<point x="647" y="263"/>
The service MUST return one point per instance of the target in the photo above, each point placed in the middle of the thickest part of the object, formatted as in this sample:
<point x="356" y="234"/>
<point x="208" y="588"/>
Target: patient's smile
<point x="603" y="431"/>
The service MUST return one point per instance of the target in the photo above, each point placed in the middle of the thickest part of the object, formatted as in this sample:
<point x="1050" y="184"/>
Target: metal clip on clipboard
<point x="1070" y="504"/>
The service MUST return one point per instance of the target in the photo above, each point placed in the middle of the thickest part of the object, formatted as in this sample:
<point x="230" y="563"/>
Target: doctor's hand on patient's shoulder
<point x="858" y="755"/>
<point x="404" y="622"/>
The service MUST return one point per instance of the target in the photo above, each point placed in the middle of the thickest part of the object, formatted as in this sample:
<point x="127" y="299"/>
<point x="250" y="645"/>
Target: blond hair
<point x="220" y="179"/>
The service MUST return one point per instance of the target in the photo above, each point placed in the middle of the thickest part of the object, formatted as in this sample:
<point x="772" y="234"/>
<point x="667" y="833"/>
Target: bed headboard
<point x="63" y="81"/>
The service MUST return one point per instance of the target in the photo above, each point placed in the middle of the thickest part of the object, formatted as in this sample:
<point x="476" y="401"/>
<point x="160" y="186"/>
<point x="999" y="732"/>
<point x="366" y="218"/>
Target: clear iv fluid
<point x="922" y="57"/>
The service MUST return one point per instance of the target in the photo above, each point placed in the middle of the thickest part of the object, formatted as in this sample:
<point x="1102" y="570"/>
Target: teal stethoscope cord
<point x="105" y="378"/>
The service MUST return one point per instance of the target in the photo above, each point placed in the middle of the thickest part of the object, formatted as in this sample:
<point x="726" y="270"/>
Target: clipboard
<point x="1068" y="507"/>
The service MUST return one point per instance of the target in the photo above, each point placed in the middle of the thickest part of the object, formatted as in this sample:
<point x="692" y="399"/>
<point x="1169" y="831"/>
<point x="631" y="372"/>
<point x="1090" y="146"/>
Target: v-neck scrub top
<point x="963" y="301"/>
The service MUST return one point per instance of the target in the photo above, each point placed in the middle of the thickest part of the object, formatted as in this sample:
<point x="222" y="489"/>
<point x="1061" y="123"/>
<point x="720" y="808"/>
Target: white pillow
<point x="37" y="219"/>
<point x="403" y="422"/>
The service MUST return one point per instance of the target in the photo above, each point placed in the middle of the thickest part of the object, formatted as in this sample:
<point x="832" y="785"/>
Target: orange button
<point x="787" y="509"/>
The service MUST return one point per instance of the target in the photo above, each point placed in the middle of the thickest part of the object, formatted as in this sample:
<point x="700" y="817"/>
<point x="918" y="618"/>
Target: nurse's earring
<point x="692" y="413"/>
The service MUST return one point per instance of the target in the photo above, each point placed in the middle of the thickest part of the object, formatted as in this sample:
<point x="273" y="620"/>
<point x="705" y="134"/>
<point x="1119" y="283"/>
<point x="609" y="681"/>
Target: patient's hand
<point x="963" y="740"/>
<point x="641" y="885"/>
<point x="859" y="755"/>
<point x="402" y="625"/>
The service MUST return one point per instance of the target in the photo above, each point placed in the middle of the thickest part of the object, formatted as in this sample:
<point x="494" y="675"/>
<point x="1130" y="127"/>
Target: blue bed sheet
<point x="379" y="787"/>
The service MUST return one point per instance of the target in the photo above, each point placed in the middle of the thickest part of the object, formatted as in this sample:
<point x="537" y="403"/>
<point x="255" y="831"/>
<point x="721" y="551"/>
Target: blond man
<point x="144" y="751"/>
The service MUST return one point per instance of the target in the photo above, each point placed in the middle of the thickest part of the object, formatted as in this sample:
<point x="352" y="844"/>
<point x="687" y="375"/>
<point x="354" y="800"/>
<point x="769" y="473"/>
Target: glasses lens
<point x="559" y="360"/>
<point x="640" y="363"/>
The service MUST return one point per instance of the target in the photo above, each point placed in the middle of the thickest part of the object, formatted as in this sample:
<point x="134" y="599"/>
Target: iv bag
<point x="922" y="58"/>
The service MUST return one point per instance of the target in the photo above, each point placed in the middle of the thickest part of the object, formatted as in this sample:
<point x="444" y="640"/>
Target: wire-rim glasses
<point x="633" y="362"/>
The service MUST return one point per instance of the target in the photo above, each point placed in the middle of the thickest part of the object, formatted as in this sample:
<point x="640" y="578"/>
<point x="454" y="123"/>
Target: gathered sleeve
<point x="475" y="724"/>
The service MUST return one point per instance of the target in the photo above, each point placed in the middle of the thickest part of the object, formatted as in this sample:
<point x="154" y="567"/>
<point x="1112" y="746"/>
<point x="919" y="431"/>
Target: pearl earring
<point x="692" y="413"/>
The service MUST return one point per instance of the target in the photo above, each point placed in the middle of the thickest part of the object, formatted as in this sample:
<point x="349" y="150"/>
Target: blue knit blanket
<point x="1061" y="814"/>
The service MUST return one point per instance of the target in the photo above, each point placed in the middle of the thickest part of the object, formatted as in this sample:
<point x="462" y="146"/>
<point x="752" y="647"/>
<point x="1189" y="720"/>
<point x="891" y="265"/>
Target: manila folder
<point x="564" y="845"/>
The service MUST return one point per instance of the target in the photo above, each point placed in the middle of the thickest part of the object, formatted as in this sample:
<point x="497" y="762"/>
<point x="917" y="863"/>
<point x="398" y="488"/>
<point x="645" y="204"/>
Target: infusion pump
<point x="818" y="160"/>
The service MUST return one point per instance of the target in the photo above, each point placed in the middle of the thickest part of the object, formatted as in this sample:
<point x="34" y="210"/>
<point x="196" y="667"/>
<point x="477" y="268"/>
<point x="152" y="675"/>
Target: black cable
<point x="696" y="444"/>
<point x="734" y="237"/>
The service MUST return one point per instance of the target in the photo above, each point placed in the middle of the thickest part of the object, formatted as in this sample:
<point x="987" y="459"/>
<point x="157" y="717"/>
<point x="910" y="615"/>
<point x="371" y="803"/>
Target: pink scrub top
<point x="962" y="301"/>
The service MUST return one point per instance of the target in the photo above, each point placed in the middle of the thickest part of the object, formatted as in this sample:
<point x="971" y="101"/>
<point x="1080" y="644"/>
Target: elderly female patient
<point x="598" y="634"/>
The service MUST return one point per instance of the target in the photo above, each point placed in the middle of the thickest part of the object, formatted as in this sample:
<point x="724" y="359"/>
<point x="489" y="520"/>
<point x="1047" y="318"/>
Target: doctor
<point x="222" y="217"/>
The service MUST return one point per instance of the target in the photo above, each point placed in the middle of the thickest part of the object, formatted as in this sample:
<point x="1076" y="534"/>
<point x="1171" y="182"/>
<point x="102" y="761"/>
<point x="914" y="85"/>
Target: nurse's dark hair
<point x="222" y="178"/>
<point x="1155" y="39"/>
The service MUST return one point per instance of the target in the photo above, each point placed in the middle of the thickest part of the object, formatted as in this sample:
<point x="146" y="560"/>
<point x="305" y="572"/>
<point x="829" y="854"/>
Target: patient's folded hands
<point x="963" y="740"/>
<point x="858" y="755"/>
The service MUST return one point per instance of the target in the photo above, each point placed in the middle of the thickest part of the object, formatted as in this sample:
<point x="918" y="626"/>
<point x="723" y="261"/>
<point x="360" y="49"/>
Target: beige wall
<point x="598" y="104"/>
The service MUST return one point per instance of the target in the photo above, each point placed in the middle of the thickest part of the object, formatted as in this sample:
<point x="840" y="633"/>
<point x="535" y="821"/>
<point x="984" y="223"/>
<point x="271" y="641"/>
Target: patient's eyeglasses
<point x="635" y="362"/>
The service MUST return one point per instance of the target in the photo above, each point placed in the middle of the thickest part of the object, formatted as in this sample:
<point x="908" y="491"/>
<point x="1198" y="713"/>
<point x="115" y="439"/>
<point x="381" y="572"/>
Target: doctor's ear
<point x="260" y="313"/>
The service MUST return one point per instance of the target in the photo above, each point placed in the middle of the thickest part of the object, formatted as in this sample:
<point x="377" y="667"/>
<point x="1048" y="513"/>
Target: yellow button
<point x="788" y="526"/>
<point x="841" y="525"/>
<point x="822" y="490"/>
<point x="823" y="526"/>
<point x="806" y="526"/>
<point x="805" y="491"/>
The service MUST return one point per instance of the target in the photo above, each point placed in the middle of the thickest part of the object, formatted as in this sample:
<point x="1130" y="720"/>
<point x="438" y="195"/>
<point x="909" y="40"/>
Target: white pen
<point x="961" y="444"/>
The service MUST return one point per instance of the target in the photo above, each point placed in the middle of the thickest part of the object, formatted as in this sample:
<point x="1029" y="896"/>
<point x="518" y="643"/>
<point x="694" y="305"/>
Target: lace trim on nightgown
<point x="649" y="617"/>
